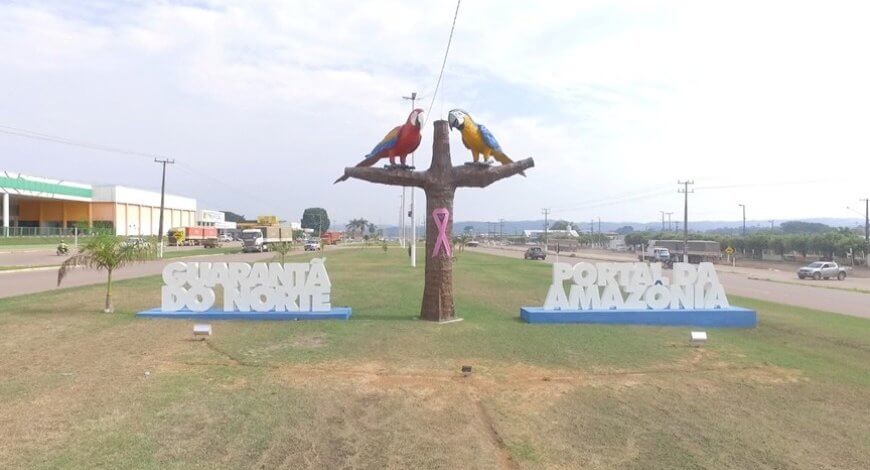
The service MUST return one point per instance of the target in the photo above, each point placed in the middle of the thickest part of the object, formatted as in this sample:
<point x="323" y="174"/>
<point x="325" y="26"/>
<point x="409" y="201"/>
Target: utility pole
<point x="399" y="228"/>
<point x="685" y="190"/>
<point x="744" y="218"/>
<point x="771" y="224"/>
<point x="546" y="213"/>
<point x="413" y="99"/>
<point x="867" y="230"/>
<point x="163" y="162"/>
<point x="670" y="227"/>
<point x="402" y="220"/>
<point x="592" y="232"/>
<point x="663" y="220"/>
<point x="500" y="228"/>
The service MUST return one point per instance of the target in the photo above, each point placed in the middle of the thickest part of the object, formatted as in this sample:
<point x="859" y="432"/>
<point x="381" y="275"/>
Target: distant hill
<point x="516" y="227"/>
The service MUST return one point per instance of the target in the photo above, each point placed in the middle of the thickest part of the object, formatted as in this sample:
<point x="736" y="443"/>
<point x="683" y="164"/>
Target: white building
<point x="217" y="219"/>
<point x="35" y="205"/>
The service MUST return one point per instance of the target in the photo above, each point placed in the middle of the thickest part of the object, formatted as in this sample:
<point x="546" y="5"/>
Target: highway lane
<point x="745" y="282"/>
<point x="29" y="282"/>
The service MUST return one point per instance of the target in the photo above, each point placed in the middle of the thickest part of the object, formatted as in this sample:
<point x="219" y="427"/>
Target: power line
<point x="613" y="200"/>
<point x="75" y="143"/>
<point x="238" y="189"/>
<point x="443" y="63"/>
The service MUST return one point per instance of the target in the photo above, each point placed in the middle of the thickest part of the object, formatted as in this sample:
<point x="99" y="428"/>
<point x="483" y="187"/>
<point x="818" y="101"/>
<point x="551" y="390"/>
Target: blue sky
<point x="263" y="103"/>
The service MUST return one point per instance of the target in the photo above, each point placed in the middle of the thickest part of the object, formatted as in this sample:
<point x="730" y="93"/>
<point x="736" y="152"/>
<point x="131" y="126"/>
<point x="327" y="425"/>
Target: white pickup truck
<point x="822" y="270"/>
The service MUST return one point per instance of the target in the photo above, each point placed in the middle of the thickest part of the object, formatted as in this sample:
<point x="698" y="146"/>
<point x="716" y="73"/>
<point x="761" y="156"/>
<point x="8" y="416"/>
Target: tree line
<point x="833" y="243"/>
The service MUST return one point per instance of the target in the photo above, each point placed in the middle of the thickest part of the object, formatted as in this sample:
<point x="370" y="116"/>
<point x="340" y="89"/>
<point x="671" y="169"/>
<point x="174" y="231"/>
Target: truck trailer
<point x="330" y="238"/>
<point x="699" y="250"/>
<point x="205" y="236"/>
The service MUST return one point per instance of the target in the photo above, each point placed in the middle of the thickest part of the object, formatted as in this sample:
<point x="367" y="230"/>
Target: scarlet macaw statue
<point x="477" y="138"/>
<point x="399" y="142"/>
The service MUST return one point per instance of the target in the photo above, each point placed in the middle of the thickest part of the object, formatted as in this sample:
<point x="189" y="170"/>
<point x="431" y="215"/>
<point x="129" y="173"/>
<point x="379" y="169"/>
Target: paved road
<point x="745" y="283"/>
<point x="29" y="282"/>
<point x="47" y="256"/>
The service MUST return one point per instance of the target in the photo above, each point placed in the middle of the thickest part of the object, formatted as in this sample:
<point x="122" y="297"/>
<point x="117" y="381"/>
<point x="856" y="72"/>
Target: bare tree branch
<point x="385" y="176"/>
<point x="477" y="177"/>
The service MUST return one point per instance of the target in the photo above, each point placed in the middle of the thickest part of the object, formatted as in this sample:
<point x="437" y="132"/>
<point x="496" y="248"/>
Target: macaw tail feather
<point x="504" y="159"/>
<point x="367" y="162"/>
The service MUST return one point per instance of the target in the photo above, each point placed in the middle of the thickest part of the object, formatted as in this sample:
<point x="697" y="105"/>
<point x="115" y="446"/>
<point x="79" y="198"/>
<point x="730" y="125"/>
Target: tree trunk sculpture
<point x="439" y="183"/>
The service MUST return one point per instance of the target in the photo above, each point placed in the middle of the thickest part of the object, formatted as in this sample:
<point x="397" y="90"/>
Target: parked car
<point x="312" y="246"/>
<point x="225" y="237"/>
<point x="472" y="243"/>
<point x="822" y="270"/>
<point x="535" y="252"/>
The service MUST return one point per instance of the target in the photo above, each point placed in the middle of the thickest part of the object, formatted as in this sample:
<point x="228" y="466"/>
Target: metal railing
<point x="56" y="232"/>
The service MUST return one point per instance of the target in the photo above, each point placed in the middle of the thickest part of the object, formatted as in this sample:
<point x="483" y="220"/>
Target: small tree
<point x="109" y="252"/>
<point x="316" y="219"/>
<point x="282" y="248"/>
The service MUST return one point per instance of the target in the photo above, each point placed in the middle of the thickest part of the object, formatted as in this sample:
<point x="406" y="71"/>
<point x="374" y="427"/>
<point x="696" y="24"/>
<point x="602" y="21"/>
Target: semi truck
<point x="699" y="250"/>
<point x="204" y="236"/>
<point x="259" y="238"/>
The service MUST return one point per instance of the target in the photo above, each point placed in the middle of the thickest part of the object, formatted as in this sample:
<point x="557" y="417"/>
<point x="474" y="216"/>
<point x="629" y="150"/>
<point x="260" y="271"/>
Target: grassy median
<point x="80" y="388"/>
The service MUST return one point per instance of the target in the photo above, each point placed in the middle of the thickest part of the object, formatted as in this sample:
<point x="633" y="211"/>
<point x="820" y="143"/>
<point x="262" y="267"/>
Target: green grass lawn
<point x="169" y="253"/>
<point x="7" y="242"/>
<point x="384" y="389"/>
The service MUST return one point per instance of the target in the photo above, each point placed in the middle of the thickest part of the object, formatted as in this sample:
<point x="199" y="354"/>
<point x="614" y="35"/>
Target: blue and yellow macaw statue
<point x="477" y="138"/>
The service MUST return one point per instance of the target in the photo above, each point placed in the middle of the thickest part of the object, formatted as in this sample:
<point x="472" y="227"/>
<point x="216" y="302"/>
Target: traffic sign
<point x="729" y="251"/>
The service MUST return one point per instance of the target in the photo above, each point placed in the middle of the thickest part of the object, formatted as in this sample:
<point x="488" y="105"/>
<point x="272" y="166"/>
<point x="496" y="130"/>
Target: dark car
<point x="535" y="252"/>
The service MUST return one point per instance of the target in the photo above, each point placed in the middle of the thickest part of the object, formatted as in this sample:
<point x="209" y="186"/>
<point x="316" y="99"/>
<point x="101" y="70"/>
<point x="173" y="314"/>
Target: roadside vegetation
<point x="106" y="252"/>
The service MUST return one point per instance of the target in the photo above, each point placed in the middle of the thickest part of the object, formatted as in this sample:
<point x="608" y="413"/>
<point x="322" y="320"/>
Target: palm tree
<point x="109" y="252"/>
<point x="357" y="225"/>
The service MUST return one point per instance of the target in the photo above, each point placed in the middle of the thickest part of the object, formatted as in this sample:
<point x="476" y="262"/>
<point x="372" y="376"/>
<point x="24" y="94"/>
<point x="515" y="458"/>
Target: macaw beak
<point x="453" y="122"/>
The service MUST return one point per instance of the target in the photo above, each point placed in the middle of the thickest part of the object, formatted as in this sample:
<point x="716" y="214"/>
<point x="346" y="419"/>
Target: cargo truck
<point x="259" y="238"/>
<point x="204" y="236"/>
<point x="330" y="238"/>
<point x="656" y="254"/>
<point x="699" y="250"/>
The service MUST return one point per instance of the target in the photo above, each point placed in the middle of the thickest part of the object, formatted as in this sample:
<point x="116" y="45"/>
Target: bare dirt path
<point x="751" y="282"/>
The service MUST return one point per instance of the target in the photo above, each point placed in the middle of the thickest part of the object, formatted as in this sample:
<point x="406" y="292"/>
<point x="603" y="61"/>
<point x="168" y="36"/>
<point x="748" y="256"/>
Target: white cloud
<point x="609" y="98"/>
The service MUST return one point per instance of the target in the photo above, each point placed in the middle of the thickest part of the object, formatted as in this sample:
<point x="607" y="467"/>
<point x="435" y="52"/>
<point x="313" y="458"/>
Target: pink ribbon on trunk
<point x="441" y="225"/>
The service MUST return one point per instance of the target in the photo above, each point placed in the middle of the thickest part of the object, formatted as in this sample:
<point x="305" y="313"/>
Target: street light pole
<point x="744" y="218"/>
<point x="546" y="213"/>
<point x="685" y="191"/>
<point x="164" y="162"/>
<point x="867" y="230"/>
<point x="413" y="99"/>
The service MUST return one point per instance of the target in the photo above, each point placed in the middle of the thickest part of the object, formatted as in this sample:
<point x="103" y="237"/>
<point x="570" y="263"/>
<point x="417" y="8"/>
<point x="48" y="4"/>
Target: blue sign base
<point x="337" y="313"/>
<point x="731" y="317"/>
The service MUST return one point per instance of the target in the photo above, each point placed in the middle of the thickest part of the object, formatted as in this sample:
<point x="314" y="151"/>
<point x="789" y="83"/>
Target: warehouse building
<point x="45" y="206"/>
